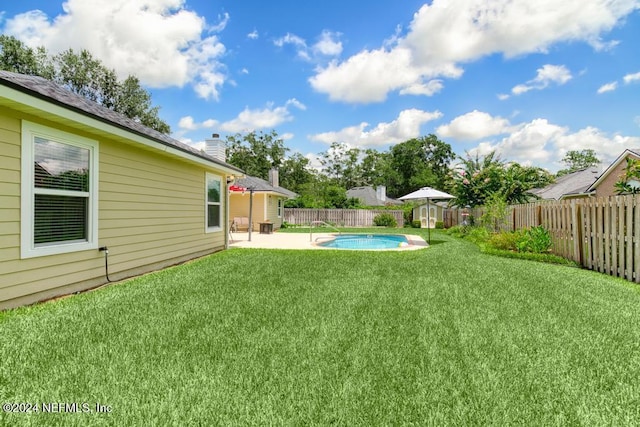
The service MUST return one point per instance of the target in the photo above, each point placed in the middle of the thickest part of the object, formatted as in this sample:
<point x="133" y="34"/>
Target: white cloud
<point x="405" y="126"/>
<point x="248" y="120"/>
<point x="609" y="87"/>
<point x="428" y="89"/>
<point x="370" y="75"/>
<point x="221" y="25"/>
<point x="630" y="78"/>
<point x="328" y="45"/>
<point x="548" y="74"/>
<point x="265" y="118"/>
<point x="298" y="42"/>
<point x="448" y="33"/>
<point x="161" y="42"/>
<point x="253" y="35"/>
<point x="542" y="143"/>
<point x="474" y="125"/>
<point x="188" y="124"/>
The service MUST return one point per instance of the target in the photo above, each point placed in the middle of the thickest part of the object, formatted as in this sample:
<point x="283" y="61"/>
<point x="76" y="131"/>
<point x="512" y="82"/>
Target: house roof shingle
<point x="54" y="93"/>
<point x="259" y="184"/>
<point x="570" y="184"/>
<point x="369" y="197"/>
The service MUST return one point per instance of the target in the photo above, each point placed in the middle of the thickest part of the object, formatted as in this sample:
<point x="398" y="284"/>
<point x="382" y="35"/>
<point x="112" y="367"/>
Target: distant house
<point x="78" y="178"/>
<point x="575" y="184"/>
<point x="604" y="186"/>
<point x="370" y="196"/>
<point x="268" y="200"/>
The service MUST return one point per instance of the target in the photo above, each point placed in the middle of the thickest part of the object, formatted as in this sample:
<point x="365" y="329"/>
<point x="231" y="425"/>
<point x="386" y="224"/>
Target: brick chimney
<point x="216" y="148"/>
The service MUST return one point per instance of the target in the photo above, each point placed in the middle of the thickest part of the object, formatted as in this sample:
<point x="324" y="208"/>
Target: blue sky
<point x="531" y="80"/>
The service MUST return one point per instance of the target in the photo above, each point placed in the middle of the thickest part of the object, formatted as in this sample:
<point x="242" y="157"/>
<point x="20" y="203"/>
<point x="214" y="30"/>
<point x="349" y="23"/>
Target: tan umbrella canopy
<point x="428" y="194"/>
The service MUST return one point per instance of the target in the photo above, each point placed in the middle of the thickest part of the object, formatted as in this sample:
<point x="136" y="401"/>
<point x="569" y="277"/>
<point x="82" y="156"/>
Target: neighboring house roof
<point x="622" y="157"/>
<point x="51" y="92"/>
<point x="261" y="185"/>
<point x="570" y="184"/>
<point x="368" y="196"/>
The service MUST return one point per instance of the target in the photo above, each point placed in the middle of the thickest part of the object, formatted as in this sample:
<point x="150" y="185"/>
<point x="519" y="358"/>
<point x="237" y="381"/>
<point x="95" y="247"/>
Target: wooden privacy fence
<point x="339" y="217"/>
<point x="601" y="234"/>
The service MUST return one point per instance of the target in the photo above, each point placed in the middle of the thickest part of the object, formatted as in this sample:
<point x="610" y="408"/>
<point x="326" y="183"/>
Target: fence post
<point x="576" y="219"/>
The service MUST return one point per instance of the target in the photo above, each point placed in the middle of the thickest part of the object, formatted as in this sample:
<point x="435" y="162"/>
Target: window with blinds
<point x="214" y="205"/>
<point x="59" y="193"/>
<point x="61" y="190"/>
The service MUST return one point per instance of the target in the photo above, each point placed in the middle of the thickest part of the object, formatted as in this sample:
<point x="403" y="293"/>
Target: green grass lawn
<point x="440" y="336"/>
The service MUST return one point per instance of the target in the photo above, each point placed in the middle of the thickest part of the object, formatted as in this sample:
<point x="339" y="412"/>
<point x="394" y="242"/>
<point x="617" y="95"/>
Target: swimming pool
<point x="366" y="241"/>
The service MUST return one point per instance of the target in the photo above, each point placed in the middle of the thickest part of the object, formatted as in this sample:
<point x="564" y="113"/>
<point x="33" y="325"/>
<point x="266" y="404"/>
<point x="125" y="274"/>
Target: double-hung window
<point x="59" y="192"/>
<point x="214" y="203"/>
<point x="279" y="208"/>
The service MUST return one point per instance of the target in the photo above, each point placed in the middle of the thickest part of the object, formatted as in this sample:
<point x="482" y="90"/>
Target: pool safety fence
<point x="339" y="217"/>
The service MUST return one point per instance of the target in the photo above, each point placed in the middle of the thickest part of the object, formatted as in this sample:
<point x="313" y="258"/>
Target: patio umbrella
<point x="428" y="194"/>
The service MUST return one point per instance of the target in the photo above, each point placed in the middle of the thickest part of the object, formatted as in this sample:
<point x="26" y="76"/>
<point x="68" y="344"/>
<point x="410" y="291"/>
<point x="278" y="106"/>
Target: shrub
<point x="536" y="240"/>
<point x="478" y="234"/>
<point x="496" y="212"/>
<point x="385" y="220"/>
<point x="459" y="230"/>
<point x="439" y="225"/>
<point x="506" y="241"/>
<point x="415" y="223"/>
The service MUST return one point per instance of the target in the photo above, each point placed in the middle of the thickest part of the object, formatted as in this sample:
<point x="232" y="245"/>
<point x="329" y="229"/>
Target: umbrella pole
<point x="250" y="211"/>
<point x="429" y="221"/>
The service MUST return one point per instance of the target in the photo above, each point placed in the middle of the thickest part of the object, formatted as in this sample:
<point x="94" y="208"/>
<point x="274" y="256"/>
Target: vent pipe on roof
<point x="216" y="148"/>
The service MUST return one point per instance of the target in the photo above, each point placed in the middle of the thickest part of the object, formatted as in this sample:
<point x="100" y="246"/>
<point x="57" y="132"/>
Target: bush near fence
<point x="338" y="217"/>
<point x="601" y="234"/>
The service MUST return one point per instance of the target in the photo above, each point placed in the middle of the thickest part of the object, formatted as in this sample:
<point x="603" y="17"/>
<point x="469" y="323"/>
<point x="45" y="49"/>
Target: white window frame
<point x="279" y="208"/>
<point x="28" y="248"/>
<point x="220" y="204"/>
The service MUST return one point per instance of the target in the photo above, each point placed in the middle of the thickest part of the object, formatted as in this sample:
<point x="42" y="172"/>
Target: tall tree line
<point x="418" y="162"/>
<point x="415" y="163"/>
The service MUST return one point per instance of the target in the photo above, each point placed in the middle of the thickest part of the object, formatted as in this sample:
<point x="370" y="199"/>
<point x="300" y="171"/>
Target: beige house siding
<point x="151" y="214"/>
<point x="272" y="211"/>
<point x="265" y="208"/>
<point x="606" y="187"/>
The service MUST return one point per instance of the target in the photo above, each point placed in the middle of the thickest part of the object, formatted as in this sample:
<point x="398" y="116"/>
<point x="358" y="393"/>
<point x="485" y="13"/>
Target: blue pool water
<point x="366" y="241"/>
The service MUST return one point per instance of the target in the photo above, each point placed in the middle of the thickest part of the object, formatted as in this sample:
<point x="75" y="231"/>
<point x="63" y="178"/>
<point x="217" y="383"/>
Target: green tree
<point x="86" y="76"/>
<point x="420" y="162"/>
<point x="341" y="164"/>
<point x="17" y="57"/>
<point x="476" y="179"/>
<point x="576" y="160"/>
<point x="296" y="174"/>
<point x="518" y="180"/>
<point x="375" y="168"/>
<point x="256" y="153"/>
<point x="629" y="182"/>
